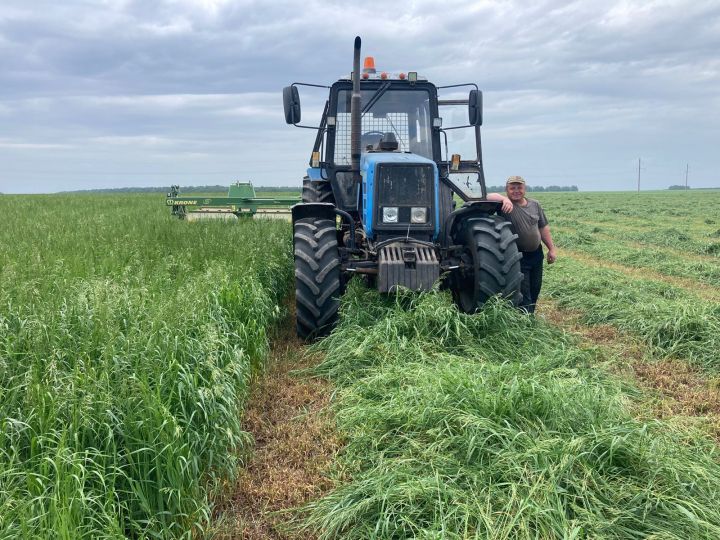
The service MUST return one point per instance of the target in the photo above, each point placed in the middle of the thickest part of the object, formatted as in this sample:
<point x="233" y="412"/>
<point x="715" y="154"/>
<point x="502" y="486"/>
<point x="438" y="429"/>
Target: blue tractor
<point x="379" y="199"/>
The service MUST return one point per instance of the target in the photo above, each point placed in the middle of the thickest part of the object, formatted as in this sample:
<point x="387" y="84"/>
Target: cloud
<point x="136" y="141"/>
<point x="203" y="77"/>
<point x="17" y="145"/>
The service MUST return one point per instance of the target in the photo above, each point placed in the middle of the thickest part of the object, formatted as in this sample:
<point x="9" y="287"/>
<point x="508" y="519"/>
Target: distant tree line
<point x="183" y="189"/>
<point x="679" y="187"/>
<point x="539" y="189"/>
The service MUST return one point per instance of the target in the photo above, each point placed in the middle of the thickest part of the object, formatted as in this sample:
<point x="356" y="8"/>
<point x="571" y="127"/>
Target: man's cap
<point x="515" y="180"/>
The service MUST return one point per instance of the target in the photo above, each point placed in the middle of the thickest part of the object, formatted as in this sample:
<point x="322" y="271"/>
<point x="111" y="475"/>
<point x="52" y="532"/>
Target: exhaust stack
<point x="355" y="119"/>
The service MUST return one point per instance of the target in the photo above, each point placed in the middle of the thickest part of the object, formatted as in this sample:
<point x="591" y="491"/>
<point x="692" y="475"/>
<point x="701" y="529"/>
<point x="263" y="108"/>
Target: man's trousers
<point x="532" y="268"/>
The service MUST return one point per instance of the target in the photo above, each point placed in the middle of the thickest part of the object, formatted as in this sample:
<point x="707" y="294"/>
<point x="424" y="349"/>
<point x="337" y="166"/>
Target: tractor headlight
<point x="390" y="214"/>
<point x="418" y="214"/>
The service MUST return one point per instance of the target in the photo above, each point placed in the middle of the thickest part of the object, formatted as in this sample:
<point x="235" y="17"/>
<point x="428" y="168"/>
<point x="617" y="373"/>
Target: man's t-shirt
<point x="527" y="222"/>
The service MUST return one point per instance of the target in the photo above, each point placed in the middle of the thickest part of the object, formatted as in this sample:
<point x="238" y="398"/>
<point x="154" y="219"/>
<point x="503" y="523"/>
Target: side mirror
<point x="291" y="103"/>
<point x="474" y="108"/>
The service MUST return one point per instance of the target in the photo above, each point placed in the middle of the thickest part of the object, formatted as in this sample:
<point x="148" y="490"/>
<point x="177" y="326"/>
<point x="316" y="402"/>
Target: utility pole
<point x="687" y="169"/>
<point x="638" y="176"/>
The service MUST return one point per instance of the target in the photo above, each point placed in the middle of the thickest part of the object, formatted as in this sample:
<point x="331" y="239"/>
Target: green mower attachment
<point x="240" y="201"/>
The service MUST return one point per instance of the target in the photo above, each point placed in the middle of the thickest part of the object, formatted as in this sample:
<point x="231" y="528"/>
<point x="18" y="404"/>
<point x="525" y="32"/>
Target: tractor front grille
<point x="404" y="186"/>
<point x="411" y="266"/>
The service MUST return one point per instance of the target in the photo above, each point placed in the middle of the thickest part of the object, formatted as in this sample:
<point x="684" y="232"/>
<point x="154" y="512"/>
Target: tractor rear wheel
<point x="317" y="191"/>
<point x="317" y="276"/>
<point x="493" y="260"/>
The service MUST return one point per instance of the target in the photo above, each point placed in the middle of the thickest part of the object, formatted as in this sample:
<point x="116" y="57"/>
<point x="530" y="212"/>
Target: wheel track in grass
<point x="295" y="444"/>
<point x="677" y="389"/>
<point x="697" y="288"/>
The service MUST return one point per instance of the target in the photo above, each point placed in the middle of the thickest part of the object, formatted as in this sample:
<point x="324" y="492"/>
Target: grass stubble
<point x="294" y="445"/>
<point x="497" y="425"/>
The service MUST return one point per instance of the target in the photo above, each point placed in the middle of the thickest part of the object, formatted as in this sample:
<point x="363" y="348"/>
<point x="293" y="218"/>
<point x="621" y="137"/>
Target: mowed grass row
<point x="669" y="320"/>
<point x="705" y="270"/>
<point x="679" y="240"/>
<point x="497" y="426"/>
<point x="683" y="222"/>
<point x="701" y="229"/>
<point x="127" y="339"/>
<point x="694" y="211"/>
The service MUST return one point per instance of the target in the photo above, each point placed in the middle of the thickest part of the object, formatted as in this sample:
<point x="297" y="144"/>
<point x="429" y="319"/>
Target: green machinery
<point x="240" y="201"/>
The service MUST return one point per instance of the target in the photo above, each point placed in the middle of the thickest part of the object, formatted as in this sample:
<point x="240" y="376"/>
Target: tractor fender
<point x="313" y="210"/>
<point x="468" y="210"/>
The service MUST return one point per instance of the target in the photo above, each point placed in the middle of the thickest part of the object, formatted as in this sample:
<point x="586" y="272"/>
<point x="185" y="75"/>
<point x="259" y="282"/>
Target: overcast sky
<point x="121" y="93"/>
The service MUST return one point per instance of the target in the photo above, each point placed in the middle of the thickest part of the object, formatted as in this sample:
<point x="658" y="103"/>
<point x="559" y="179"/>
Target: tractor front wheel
<point x="317" y="276"/>
<point x="492" y="263"/>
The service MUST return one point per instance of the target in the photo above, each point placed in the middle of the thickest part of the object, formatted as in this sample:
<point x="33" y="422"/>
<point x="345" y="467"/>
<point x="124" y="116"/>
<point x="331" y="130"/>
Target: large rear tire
<point x="493" y="259"/>
<point x="317" y="276"/>
<point x="317" y="191"/>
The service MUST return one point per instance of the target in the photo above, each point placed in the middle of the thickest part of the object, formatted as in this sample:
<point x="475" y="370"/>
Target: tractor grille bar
<point x="414" y="267"/>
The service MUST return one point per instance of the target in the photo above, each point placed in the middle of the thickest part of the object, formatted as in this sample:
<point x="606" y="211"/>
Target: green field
<point x="129" y="339"/>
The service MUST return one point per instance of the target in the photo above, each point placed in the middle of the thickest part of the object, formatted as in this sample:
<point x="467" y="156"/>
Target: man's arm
<point x="507" y="204"/>
<point x="548" y="241"/>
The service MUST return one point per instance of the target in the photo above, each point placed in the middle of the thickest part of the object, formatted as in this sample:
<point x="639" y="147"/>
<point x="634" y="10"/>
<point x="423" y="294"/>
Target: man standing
<point x="531" y="226"/>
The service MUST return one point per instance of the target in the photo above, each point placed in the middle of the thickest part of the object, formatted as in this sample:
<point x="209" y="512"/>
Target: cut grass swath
<point x="496" y="426"/>
<point x="663" y="316"/>
<point x="705" y="271"/>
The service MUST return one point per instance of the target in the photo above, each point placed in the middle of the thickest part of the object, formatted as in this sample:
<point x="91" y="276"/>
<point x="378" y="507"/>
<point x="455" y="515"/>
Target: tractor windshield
<point x="405" y="113"/>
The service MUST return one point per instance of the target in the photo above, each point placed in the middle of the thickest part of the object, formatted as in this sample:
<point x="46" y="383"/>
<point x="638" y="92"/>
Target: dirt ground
<point x="294" y="447"/>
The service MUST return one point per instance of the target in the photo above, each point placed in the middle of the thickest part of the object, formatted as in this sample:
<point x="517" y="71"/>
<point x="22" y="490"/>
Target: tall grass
<point x="127" y="339"/>
<point x="496" y="426"/>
